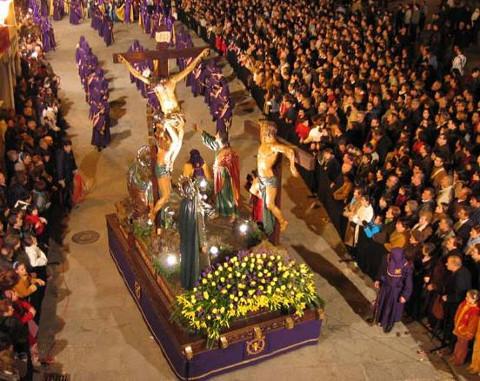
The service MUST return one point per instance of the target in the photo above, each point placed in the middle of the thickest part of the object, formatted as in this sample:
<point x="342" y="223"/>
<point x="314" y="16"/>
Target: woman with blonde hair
<point x="423" y="227"/>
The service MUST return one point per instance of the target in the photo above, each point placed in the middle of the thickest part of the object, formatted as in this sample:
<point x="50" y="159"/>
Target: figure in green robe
<point x="189" y="243"/>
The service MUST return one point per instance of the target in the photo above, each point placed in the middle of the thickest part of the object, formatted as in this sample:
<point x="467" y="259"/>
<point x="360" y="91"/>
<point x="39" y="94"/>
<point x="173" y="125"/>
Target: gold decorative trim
<point x="320" y="313"/>
<point x="223" y="342"/>
<point x="188" y="352"/>
<point x="257" y="332"/>
<point x="289" y="323"/>
<point x="267" y="355"/>
<point x="138" y="289"/>
<point x="256" y="346"/>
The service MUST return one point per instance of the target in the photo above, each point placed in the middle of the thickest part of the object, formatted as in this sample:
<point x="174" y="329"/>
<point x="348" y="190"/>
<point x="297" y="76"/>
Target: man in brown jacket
<point x="399" y="238"/>
<point x="438" y="172"/>
<point x="341" y="191"/>
<point x="423" y="228"/>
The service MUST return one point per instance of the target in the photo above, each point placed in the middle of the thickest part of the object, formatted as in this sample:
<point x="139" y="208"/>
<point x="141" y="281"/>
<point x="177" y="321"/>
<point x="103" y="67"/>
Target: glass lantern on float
<point x="247" y="233"/>
<point x="166" y="256"/>
<point x="167" y="264"/>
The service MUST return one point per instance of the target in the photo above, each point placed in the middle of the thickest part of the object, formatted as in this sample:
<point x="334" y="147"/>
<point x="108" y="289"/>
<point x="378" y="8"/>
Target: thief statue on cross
<point x="171" y="120"/>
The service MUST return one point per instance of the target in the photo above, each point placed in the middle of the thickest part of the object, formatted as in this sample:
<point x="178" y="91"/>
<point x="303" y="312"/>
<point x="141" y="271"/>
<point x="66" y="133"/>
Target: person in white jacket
<point x="36" y="256"/>
<point x="38" y="262"/>
<point x="363" y="215"/>
<point x="459" y="60"/>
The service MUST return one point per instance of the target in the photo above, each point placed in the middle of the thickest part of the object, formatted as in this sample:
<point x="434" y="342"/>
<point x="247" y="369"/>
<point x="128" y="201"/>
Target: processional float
<point x="214" y="291"/>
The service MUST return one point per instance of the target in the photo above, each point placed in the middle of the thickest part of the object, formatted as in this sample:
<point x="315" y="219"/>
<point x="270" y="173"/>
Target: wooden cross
<point x="160" y="58"/>
<point x="302" y="159"/>
<point x="162" y="54"/>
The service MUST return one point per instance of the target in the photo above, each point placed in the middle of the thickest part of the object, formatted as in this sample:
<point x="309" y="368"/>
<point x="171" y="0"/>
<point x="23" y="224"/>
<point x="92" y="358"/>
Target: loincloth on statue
<point x="161" y="170"/>
<point x="268" y="219"/>
<point x="269" y="182"/>
<point x="174" y="119"/>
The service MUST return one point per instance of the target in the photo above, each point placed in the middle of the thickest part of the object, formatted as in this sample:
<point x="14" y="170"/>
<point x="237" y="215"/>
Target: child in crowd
<point x="37" y="223"/>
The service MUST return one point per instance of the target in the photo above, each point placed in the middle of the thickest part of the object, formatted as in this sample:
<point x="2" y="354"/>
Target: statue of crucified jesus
<point x="172" y="120"/>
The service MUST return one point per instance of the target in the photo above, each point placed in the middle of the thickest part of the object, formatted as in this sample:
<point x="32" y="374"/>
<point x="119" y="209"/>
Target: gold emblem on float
<point x="256" y="346"/>
<point x="137" y="289"/>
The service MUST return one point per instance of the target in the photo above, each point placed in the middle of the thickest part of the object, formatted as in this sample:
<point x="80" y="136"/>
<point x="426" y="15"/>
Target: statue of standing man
<point x="269" y="183"/>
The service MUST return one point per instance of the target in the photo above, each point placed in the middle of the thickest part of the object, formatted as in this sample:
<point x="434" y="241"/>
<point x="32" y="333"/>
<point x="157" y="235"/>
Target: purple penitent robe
<point x="395" y="281"/>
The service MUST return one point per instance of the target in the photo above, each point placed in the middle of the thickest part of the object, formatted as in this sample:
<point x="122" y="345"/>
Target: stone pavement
<point x="90" y="322"/>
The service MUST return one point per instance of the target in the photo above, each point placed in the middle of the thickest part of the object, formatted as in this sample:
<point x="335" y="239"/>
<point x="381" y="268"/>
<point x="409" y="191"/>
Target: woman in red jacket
<point x="466" y="323"/>
<point x="25" y="313"/>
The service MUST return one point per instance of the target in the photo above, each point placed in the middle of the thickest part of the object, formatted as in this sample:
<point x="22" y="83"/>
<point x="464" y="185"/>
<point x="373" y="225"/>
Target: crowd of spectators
<point x="382" y="98"/>
<point x="36" y="183"/>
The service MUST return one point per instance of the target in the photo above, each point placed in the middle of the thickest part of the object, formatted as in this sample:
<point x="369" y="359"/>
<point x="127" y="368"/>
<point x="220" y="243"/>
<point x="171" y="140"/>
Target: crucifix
<point x="269" y="167"/>
<point x="169" y="126"/>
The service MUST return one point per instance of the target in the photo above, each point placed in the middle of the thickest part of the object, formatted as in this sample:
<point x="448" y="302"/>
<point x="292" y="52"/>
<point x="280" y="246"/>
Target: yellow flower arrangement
<point x="242" y="285"/>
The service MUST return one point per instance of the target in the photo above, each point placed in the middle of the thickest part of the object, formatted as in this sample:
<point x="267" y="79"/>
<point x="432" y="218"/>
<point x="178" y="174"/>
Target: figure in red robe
<point x="226" y="174"/>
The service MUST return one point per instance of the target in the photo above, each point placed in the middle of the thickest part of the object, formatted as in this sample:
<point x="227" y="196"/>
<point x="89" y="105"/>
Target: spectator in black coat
<point x="458" y="282"/>
<point x="463" y="226"/>
<point x="475" y="254"/>
<point x="331" y="165"/>
<point x="3" y="192"/>
<point x="383" y="144"/>
<point x="475" y="209"/>
<point x="473" y="83"/>
<point x="18" y="189"/>
<point x="12" y="329"/>
<point x="66" y="169"/>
